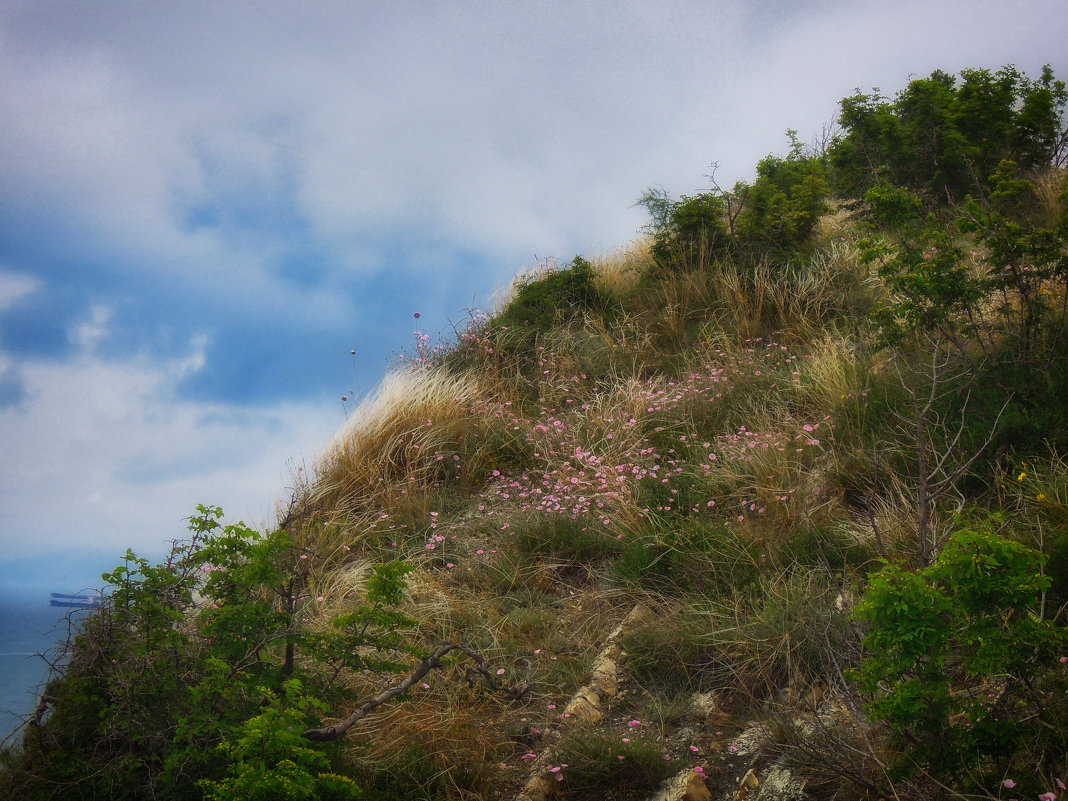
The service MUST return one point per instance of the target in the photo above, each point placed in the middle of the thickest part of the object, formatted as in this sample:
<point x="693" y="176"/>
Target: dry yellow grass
<point x="393" y="440"/>
<point x="619" y="271"/>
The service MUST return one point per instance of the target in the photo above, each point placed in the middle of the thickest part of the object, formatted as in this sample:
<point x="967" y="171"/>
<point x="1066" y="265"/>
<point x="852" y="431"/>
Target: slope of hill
<point x="769" y="504"/>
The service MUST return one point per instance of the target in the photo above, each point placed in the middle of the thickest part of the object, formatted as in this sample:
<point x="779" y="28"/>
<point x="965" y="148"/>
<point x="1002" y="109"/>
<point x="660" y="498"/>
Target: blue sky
<point x="205" y="205"/>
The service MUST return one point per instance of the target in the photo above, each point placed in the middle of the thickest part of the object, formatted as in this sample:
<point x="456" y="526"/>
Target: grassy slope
<point x="717" y="446"/>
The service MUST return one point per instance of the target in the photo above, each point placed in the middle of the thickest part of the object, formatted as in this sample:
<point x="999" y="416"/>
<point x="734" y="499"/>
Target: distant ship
<point x="76" y="601"/>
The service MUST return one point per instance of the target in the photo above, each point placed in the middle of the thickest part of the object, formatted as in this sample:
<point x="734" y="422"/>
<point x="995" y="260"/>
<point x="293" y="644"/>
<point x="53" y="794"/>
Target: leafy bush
<point x="268" y="758"/>
<point x="781" y="209"/>
<point x="688" y="232"/>
<point x="540" y="303"/>
<point x="959" y="666"/>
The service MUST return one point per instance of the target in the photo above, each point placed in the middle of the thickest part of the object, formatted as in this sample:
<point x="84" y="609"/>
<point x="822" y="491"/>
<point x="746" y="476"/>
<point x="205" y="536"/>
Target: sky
<point x="205" y="206"/>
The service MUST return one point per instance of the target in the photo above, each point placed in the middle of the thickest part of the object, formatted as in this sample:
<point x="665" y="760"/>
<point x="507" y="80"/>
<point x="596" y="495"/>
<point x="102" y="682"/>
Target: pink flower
<point x="1060" y="784"/>
<point x="1048" y="797"/>
<point x="1008" y="783"/>
<point x="634" y="723"/>
<point x="500" y="672"/>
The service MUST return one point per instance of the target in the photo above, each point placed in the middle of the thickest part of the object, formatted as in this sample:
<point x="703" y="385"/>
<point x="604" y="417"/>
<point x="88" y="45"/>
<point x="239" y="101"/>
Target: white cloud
<point x="14" y="286"/>
<point x="103" y="455"/>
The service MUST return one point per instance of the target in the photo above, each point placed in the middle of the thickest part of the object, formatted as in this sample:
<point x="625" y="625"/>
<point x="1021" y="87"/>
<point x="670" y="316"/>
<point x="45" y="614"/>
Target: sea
<point x="29" y="628"/>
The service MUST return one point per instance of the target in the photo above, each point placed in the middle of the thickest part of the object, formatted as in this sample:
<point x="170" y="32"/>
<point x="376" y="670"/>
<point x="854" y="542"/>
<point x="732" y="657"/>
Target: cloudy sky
<point x="204" y="206"/>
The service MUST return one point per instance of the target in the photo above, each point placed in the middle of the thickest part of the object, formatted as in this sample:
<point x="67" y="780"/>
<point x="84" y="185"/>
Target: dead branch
<point x="433" y="661"/>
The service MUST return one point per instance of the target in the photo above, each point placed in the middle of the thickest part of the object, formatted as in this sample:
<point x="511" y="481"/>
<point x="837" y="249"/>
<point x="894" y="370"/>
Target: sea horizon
<point x="30" y="628"/>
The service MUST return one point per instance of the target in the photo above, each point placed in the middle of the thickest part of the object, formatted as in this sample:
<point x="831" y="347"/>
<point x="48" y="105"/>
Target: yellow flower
<point x="1021" y="476"/>
<point x="1040" y="497"/>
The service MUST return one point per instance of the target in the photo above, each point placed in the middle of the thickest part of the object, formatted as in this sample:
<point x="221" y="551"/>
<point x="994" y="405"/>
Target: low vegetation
<point x="778" y="492"/>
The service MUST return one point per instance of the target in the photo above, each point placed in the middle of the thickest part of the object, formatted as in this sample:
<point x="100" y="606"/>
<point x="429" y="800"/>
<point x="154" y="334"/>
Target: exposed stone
<point x="585" y="705"/>
<point x="781" y="785"/>
<point x="749" y="782"/>
<point x="704" y="706"/>
<point x="684" y="786"/>
<point x="539" y="787"/>
<point x="752" y="740"/>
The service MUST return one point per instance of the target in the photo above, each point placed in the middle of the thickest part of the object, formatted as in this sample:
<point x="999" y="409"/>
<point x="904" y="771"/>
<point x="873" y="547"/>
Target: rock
<point x="685" y="786"/>
<point x="539" y="787"/>
<point x="585" y="705"/>
<point x="749" y="782"/>
<point x="781" y="785"/>
<point x="704" y="706"/>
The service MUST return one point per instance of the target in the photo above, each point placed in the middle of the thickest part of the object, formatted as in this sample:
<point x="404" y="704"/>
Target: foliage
<point x="268" y="758"/>
<point x="957" y="663"/>
<point x="942" y="137"/>
<point x="781" y="209"/>
<point x="1027" y="261"/>
<point x="686" y="232"/>
<point x="938" y="287"/>
<point x="777" y="214"/>
<point x="539" y="303"/>
<point x="192" y="674"/>
<point x="707" y="427"/>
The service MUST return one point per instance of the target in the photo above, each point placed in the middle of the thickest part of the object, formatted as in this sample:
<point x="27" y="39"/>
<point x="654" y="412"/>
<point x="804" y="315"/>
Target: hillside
<point x="769" y="504"/>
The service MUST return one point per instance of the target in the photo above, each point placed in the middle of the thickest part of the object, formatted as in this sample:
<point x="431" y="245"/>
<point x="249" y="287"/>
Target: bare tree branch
<point x="433" y="661"/>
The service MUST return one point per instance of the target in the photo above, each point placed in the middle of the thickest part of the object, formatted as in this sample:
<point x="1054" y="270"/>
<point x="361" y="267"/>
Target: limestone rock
<point x="685" y="786"/>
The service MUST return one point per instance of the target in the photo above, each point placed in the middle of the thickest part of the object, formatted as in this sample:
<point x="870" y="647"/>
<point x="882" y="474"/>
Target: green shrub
<point x="541" y="303"/>
<point x="191" y="675"/>
<point x="959" y="666"/>
<point x="688" y="232"/>
<point x="781" y="210"/>
<point x="268" y="758"/>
